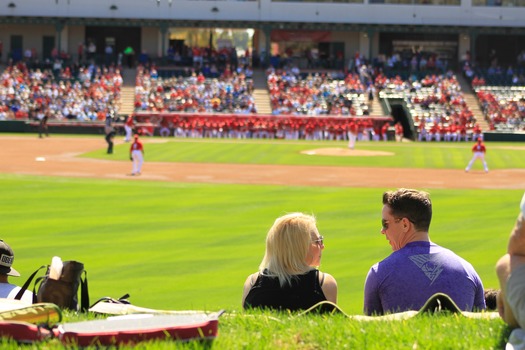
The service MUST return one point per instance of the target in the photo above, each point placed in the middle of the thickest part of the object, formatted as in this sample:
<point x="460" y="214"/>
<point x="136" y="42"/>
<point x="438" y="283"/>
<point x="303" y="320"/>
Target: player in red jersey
<point x="399" y="132"/>
<point x="478" y="151"/>
<point x="136" y="155"/>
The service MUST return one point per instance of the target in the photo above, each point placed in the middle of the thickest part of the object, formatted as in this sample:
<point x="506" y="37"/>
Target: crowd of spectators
<point x="503" y="106"/>
<point x="73" y="93"/>
<point x="436" y="104"/>
<point x="221" y="82"/>
<point x="495" y="74"/>
<point x="314" y="94"/>
<point x="209" y="60"/>
<point x="410" y="62"/>
<point x="500" y="92"/>
<point x="231" y="92"/>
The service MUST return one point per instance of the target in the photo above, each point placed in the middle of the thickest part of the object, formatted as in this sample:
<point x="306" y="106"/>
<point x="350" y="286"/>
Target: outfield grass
<point x="500" y="155"/>
<point x="190" y="246"/>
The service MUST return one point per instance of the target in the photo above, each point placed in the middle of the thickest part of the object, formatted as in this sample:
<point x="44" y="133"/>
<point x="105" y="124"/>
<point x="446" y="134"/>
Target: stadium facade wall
<point x="358" y="25"/>
<point x="152" y="40"/>
<point x="331" y="13"/>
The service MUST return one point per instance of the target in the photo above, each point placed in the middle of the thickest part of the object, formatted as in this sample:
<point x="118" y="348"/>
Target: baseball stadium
<point x="246" y="111"/>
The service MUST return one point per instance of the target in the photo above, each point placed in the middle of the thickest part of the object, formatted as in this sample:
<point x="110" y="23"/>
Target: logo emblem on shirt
<point x="430" y="267"/>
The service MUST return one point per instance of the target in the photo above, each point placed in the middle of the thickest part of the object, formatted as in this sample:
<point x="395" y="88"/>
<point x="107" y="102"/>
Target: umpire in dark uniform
<point x="43" y="117"/>
<point x="109" y="129"/>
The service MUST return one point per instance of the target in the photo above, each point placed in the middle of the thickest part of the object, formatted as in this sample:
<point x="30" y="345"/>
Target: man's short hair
<point x="490" y="299"/>
<point x="411" y="204"/>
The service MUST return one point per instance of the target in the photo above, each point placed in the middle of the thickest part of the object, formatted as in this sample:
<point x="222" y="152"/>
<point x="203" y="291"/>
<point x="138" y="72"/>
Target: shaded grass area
<point x="191" y="246"/>
<point x="432" y="155"/>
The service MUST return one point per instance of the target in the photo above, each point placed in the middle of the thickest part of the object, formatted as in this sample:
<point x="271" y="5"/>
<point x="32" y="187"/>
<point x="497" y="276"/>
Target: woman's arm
<point x="248" y="285"/>
<point x="329" y="288"/>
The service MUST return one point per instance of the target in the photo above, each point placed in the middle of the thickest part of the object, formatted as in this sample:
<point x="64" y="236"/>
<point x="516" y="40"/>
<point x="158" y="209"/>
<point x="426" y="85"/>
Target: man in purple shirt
<point x="417" y="268"/>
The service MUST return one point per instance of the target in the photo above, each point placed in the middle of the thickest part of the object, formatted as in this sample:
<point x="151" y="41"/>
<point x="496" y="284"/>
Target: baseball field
<point x="187" y="232"/>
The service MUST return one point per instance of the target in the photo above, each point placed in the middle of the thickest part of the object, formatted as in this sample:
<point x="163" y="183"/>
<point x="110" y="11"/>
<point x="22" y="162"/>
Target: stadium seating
<point x="230" y="93"/>
<point x="503" y="106"/>
<point x="295" y="93"/>
<point x="436" y="105"/>
<point x="76" y="94"/>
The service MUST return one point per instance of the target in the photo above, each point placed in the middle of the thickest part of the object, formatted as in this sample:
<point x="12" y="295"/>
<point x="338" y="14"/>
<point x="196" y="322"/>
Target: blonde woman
<point x="288" y="278"/>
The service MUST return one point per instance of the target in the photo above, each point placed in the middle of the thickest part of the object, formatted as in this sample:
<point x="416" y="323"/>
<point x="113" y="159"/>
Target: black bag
<point x="64" y="291"/>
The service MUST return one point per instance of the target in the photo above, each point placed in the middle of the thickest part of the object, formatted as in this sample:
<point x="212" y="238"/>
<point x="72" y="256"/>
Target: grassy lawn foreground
<point x="264" y="330"/>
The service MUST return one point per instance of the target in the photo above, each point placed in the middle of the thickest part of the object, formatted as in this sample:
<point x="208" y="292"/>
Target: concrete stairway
<point x="127" y="92"/>
<point x="472" y="102"/>
<point x="260" y="92"/>
<point x="127" y="100"/>
<point x="376" y="110"/>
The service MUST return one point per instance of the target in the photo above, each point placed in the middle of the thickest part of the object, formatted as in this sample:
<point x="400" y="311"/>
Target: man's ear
<point x="406" y="224"/>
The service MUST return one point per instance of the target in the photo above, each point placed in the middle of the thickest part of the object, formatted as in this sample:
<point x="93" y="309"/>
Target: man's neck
<point x="420" y="236"/>
<point x="413" y="237"/>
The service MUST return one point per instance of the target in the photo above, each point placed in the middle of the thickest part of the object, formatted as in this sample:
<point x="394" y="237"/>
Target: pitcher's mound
<point x="345" y="152"/>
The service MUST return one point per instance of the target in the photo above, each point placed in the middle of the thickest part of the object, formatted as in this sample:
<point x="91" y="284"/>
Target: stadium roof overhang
<point x="350" y="27"/>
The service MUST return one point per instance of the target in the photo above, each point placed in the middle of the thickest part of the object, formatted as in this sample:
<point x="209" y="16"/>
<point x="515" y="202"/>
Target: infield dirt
<point x="58" y="156"/>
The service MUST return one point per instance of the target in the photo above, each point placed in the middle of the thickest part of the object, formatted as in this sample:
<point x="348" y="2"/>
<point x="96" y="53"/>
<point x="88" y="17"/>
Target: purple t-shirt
<point x="408" y="277"/>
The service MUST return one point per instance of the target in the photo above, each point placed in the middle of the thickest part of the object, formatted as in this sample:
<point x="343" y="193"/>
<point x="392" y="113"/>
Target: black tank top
<point x="304" y="292"/>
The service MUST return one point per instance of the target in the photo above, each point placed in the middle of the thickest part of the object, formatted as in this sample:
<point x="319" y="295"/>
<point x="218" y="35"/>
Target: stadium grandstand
<point x="444" y="69"/>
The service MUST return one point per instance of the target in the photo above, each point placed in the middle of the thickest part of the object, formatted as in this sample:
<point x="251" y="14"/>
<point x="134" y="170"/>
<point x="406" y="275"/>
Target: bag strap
<point x="27" y="283"/>
<point x="122" y="300"/>
<point x="37" y="285"/>
<point x="84" y="293"/>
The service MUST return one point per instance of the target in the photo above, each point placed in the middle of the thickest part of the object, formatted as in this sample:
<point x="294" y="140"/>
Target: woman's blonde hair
<point x="287" y="246"/>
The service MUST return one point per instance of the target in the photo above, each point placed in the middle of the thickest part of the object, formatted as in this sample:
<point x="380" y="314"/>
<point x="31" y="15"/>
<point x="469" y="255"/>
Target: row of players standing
<point x="364" y="129"/>
<point x="452" y="132"/>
